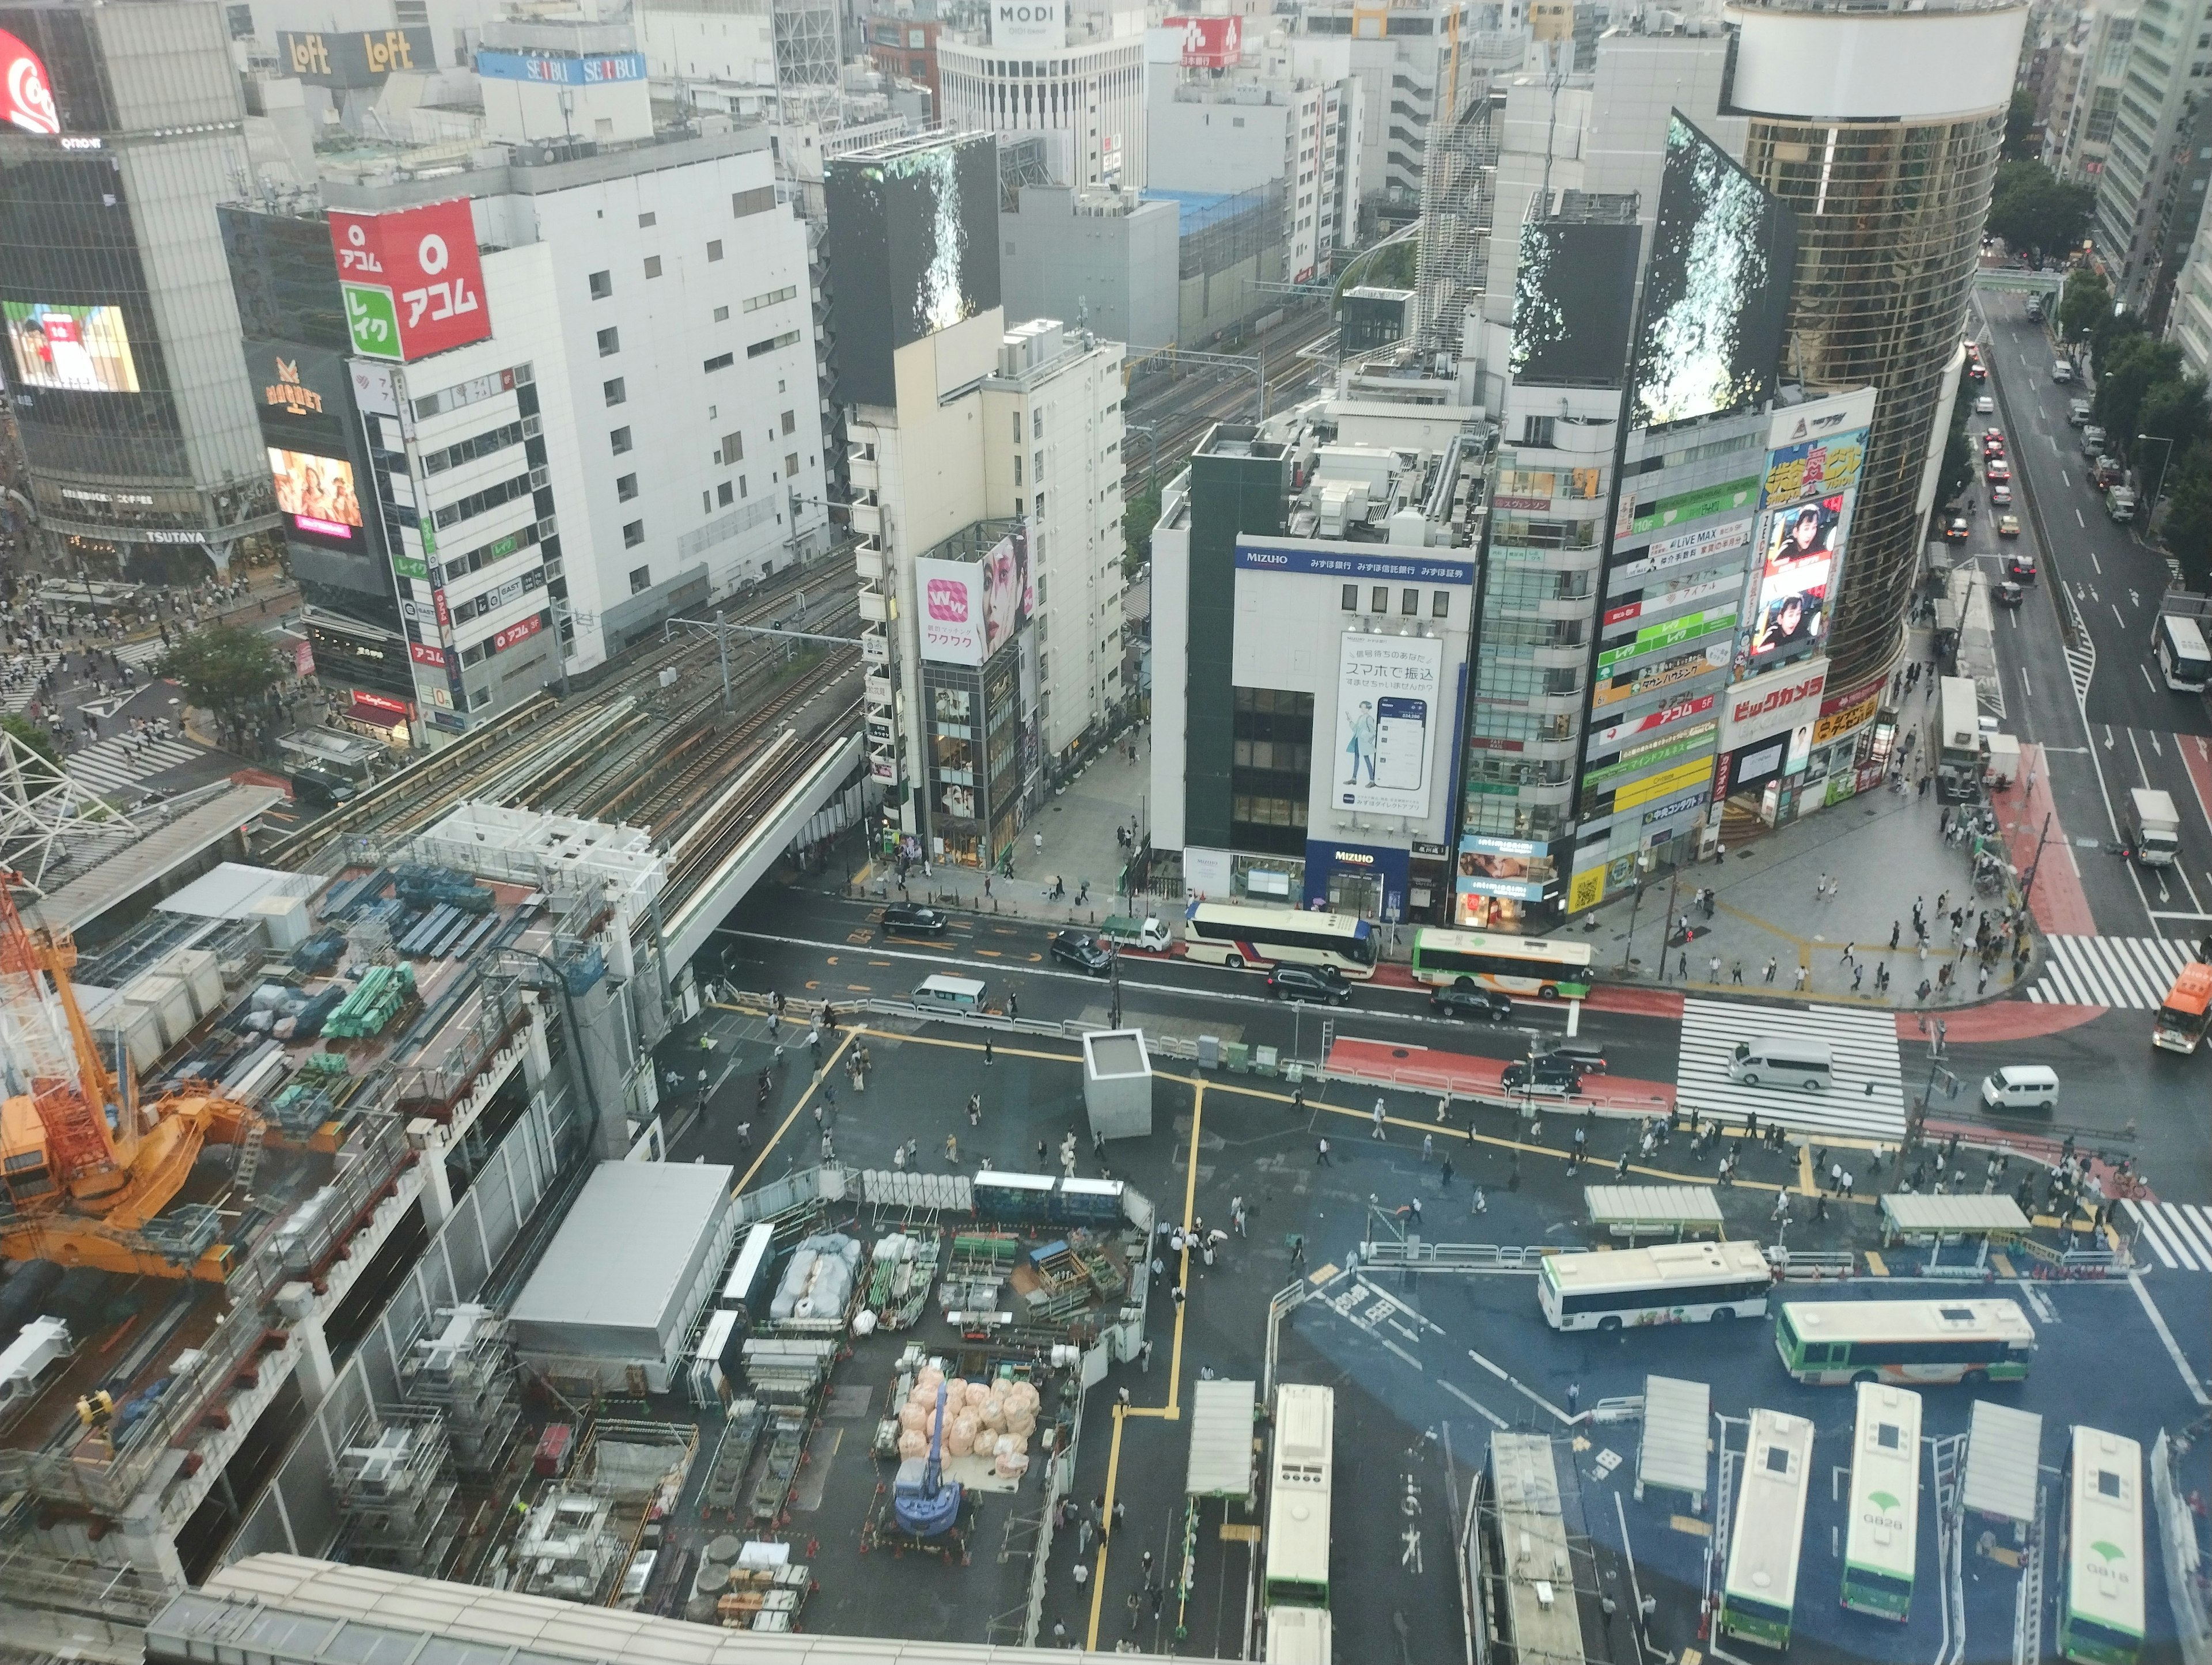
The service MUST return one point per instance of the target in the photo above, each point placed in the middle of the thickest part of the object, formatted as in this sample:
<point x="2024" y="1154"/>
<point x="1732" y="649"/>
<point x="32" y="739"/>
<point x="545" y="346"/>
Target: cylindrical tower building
<point x="1881" y="130"/>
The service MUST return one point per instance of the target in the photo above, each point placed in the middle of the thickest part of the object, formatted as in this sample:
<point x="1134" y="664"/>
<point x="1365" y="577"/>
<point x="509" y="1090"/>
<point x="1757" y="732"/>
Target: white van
<point x="1777" y="1060"/>
<point x="963" y="995"/>
<point x="2061" y="371"/>
<point x="2021" y="1087"/>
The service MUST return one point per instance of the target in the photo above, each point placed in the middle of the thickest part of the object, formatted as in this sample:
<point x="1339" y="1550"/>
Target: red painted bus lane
<point x="1429" y="1069"/>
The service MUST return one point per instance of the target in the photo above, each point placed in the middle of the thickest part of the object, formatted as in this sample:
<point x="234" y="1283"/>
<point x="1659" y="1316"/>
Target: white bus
<point x="1758" y="1596"/>
<point x="1666" y="1284"/>
<point x="1296" y="1550"/>
<point x="1882" y="1546"/>
<point x="1298" y="1636"/>
<point x="1223" y="933"/>
<point x="2182" y="655"/>
<point x="2101" y="1616"/>
<point x="1915" y="1344"/>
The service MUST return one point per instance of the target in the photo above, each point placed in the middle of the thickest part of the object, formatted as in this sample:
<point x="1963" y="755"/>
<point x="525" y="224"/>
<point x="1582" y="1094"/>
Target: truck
<point x="2120" y="504"/>
<point x="2154" y="827"/>
<point x="1127" y="930"/>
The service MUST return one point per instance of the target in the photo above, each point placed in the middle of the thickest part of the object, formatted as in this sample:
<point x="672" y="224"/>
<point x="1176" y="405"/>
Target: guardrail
<point x="1388" y="1253"/>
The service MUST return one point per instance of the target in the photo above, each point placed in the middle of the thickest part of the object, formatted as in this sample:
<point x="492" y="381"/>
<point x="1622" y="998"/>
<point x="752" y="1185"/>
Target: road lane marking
<point x="2147" y="682"/>
<point x="2084" y="525"/>
<point x="2094" y="562"/>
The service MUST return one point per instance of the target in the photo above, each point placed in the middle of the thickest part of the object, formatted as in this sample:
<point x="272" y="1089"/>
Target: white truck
<point x="2154" y="827"/>
<point x="1127" y="931"/>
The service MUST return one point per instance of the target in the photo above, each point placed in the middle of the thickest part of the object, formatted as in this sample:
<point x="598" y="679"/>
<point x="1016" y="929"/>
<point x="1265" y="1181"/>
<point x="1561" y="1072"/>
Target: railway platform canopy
<point x="1671" y="1452"/>
<point x="1652" y="1210"/>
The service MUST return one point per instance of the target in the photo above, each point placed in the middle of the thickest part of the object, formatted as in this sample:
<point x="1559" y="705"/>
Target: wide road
<point x="2106" y="718"/>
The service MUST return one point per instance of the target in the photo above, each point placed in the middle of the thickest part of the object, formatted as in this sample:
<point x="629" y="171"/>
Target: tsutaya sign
<point x="1774" y="704"/>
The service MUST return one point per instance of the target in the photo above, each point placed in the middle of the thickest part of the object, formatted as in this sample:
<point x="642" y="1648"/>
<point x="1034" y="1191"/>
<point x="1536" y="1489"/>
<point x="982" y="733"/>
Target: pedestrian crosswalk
<point x="2178" y="1234"/>
<point x="1866" y="1099"/>
<point x="2116" y="971"/>
<point x="112" y="764"/>
<point x="138" y="655"/>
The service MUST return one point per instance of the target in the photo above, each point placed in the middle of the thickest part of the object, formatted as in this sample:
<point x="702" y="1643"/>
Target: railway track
<point x="1180" y="421"/>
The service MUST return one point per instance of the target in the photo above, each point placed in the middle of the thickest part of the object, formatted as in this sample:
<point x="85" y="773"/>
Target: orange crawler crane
<point x="85" y="1170"/>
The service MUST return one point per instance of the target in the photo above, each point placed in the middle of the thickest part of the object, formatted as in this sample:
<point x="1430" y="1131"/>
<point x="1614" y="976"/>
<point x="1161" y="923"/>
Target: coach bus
<point x="1910" y="1344"/>
<point x="2182" y="655"/>
<point x="2102" y="1614"/>
<point x="1759" y="1594"/>
<point x="1296" y="1550"/>
<point x="1515" y="965"/>
<point x="1223" y="933"/>
<point x="1881" y="1544"/>
<point x="1667" y="1284"/>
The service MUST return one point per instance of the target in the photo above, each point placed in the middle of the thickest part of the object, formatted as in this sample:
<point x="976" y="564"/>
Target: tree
<point x="2187" y="528"/>
<point x="2109" y="338"/>
<point x="2123" y="383"/>
<point x="1958" y="453"/>
<point x="1139" y="514"/>
<point x="34" y="739"/>
<point x="2036" y="212"/>
<point x="224" y="668"/>
<point x="2170" y="409"/>
<point x="2023" y="138"/>
<point x="2086" y="302"/>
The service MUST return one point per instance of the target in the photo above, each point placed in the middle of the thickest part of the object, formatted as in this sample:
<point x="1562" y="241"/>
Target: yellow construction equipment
<point x="84" y="1168"/>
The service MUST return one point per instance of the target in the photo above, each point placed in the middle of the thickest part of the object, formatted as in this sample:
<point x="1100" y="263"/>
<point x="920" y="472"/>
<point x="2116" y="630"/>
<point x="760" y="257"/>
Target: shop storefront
<point x="378" y="717"/>
<point x="1368" y="880"/>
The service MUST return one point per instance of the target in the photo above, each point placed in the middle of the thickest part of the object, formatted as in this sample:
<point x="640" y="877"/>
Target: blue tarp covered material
<point x="1201" y="209"/>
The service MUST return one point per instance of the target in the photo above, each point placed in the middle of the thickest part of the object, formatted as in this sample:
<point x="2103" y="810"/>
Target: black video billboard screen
<point x="1573" y="303"/>
<point x="1716" y="293"/>
<point x="913" y="248"/>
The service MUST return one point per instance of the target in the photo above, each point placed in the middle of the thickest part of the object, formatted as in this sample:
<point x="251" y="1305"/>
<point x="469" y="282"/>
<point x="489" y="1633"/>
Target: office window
<point x="645" y="220"/>
<point x="742" y="203"/>
<point x="719" y="361"/>
<point x="727" y="493"/>
<point x="1378" y="600"/>
<point x="1409" y="604"/>
<point x="791" y="464"/>
<point x="1441" y="607"/>
<point x="619" y="439"/>
<point x="610" y="341"/>
<point x="625" y="487"/>
<point x="640" y="579"/>
<point x="613" y="389"/>
<point x="721" y="314"/>
<point x="790" y="421"/>
<point x="758" y="348"/>
<point x="733" y="449"/>
<point x="714" y="249"/>
<point x="1352" y="597"/>
<point x="633" y="534"/>
<point x="652" y="265"/>
<point x="1037" y="424"/>
<point x="603" y="285"/>
<point x="1017" y="427"/>
<point x="1017" y="468"/>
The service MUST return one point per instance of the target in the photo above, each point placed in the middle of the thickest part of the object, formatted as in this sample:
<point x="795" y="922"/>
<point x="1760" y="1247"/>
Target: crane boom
<point x="53" y="1061"/>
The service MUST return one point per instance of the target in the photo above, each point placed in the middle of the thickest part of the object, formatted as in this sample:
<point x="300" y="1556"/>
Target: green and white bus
<point x="2101" y="1619"/>
<point x="1297" y="1549"/>
<point x="1515" y="965"/>
<point x="1883" y="1541"/>
<point x="1908" y="1344"/>
<point x="1759" y="1594"/>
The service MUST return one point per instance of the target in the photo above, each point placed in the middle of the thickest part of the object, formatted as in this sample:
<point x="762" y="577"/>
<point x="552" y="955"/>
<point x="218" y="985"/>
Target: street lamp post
<point x="2150" y="509"/>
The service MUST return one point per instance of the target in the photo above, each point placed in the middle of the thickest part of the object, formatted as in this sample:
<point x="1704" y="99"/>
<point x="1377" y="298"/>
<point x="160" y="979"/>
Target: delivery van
<point x="2021" y="1087"/>
<point x="1779" y="1060"/>
<point x="961" y="996"/>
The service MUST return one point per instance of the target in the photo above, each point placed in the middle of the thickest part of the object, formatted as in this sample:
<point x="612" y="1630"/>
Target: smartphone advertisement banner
<point x="1387" y="708"/>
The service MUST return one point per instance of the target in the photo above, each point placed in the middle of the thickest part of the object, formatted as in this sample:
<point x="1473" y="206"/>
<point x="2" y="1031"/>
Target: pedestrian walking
<point x="952" y="1149"/>
<point x="1896" y="930"/>
<point x="1320" y="1154"/>
<point x="1377" y="1131"/>
<point x="1735" y="972"/>
<point x="1428" y="1148"/>
<point x="1574" y="1397"/>
<point x="1772" y="962"/>
<point x="986" y="1050"/>
<point x="1620" y="1167"/>
<point x="1445" y="1186"/>
<point x="1145" y="1358"/>
<point x="1481" y="1202"/>
<point x="1803" y="972"/>
<point x="1713" y="969"/>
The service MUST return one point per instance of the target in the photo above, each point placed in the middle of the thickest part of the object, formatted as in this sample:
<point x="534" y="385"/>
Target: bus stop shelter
<point x="1910" y="1216"/>
<point x="1221" y="1441"/>
<point x="1653" y="1211"/>
<point x="2004" y="1454"/>
<point x="1671" y="1451"/>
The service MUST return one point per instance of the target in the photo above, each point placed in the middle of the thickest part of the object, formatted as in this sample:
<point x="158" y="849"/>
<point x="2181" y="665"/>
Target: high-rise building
<point x="1074" y="74"/>
<point x="1880" y="130"/>
<point x="2080" y="137"/>
<point x="986" y="469"/>
<point x="129" y="388"/>
<point x="2161" y="85"/>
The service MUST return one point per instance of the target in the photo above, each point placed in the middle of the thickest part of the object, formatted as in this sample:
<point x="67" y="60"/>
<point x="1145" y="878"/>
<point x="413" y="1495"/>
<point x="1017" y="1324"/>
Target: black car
<point x="1587" y="1057"/>
<point x="1472" y="1003"/>
<point x="1081" y="951"/>
<point x="2020" y="569"/>
<point x="2010" y="594"/>
<point x="1546" y="1077"/>
<point x="911" y="919"/>
<point x="1309" y="982"/>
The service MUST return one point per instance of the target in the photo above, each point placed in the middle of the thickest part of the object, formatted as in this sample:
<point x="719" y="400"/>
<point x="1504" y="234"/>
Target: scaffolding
<point x="466" y="1369"/>
<point x="807" y="58"/>
<point x="396" y="1487"/>
<point x="1458" y="206"/>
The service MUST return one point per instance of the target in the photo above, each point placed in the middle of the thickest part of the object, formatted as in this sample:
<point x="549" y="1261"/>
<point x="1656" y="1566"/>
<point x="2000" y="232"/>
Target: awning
<point x="1677" y="1420"/>
<point x="1649" y="1210"/>
<point x="1221" y="1440"/>
<point x="2004" y="1453"/>
<point x="1911" y="1215"/>
<point x="375" y="716"/>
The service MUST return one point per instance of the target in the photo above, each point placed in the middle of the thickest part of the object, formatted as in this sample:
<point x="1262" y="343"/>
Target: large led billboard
<point x="1388" y="706"/>
<point x="914" y="240"/>
<point x="317" y="492"/>
<point x="27" y="96"/>
<point x="1715" y="294"/>
<point x="1574" y="299"/>
<point x="83" y="350"/>
<point x="1815" y="454"/>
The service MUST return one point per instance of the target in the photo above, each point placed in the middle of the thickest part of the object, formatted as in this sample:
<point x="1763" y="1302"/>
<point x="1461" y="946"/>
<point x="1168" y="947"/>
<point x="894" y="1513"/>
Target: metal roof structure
<point x="1634" y="1210"/>
<point x="1911" y="1214"/>
<point x="2004" y="1454"/>
<point x="110" y="874"/>
<point x="1221" y="1440"/>
<point x="1677" y="1420"/>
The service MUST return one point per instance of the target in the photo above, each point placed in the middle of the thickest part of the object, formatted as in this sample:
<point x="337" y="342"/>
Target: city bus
<point x="2186" y="1010"/>
<point x="1824" y="1343"/>
<point x="1296" y="1550"/>
<point x="1759" y="1594"/>
<point x="1222" y="933"/>
<point x="1882" y="1542"/>
<point x="2182" y="655"/>
<point x="1517" y="965"/>
<point x="2101" y="1611"/>
<point x="1298" y="1636"/>
<point x="1666" y="1284"/>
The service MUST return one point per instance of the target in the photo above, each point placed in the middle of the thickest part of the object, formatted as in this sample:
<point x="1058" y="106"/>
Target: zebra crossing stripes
<point x="2179" y="1233"/>
<point x="139" y="655"/>
<point x="2082" y="669"/>
<point x="1865" y="1101"/>
<point x="2129" y="972"/>
<point x="111" y="764"/>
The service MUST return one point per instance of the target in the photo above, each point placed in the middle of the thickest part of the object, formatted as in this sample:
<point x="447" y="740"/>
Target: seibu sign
<point x="1774" y="704"/>
<point x="412" y="283"/>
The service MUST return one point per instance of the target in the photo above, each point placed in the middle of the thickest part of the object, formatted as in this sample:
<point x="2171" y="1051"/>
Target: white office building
<point x="1077" y="77"/>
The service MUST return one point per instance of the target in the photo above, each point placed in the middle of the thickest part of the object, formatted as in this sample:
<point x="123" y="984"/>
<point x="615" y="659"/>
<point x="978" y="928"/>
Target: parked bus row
<point x="1295" y="1554"/>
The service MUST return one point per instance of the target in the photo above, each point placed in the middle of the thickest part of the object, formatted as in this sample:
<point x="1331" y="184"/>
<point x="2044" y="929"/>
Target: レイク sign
<point x="27" y="96"/>
<point x="412" y="281"/>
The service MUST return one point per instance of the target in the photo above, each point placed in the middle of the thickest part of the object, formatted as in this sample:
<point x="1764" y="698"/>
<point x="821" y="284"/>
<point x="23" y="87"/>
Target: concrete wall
<point x="1116" y="273"/>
